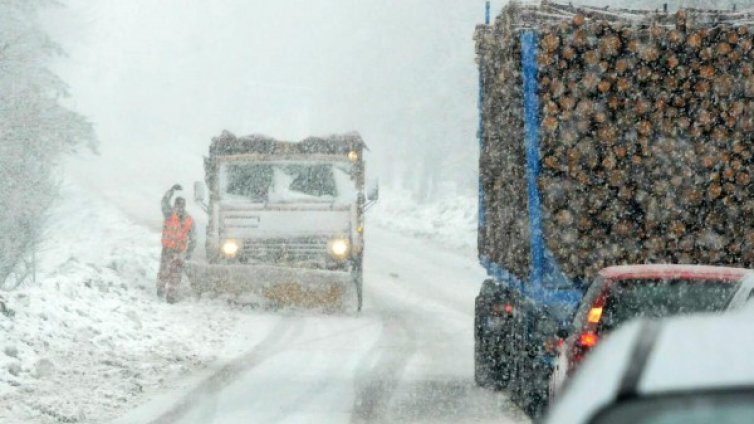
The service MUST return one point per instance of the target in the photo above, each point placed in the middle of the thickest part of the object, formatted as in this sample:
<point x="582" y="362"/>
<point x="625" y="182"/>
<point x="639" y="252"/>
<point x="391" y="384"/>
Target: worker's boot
<point x="160" y="293"/>
<point x="170" y="298"/>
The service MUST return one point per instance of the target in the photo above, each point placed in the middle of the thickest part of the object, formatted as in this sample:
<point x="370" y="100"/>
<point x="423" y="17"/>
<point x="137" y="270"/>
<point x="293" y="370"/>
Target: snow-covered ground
<point x="450" y="221"/>
<point x="90" y="336"/>
<point x="90" y="342"/>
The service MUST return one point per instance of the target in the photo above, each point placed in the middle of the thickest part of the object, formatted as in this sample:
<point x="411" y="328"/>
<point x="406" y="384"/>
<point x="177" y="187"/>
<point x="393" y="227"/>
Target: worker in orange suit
<point x="178" y="241"/>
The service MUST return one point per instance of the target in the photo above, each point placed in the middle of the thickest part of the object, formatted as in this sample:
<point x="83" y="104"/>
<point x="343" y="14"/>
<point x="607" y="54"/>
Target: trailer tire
<point x="482" y="369"/>
<point x="482" y="372"/>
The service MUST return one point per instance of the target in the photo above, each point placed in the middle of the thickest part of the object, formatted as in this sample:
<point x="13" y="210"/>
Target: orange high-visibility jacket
<point x="175" y="234"/>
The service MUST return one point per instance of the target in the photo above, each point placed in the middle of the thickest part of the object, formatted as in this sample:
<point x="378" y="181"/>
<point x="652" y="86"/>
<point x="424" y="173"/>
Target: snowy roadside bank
<point x="450" y="221"/>
<point x="90" y="339"/>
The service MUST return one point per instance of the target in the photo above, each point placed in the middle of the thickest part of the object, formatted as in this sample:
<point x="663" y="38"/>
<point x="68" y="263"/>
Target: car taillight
<point x="588" y="339"/>
<point x="595" y="314"/>
<point x="508" y="308"/>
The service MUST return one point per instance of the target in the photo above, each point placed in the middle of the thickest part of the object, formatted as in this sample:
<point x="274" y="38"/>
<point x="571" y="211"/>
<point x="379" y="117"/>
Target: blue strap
<point x="531" y="134"/>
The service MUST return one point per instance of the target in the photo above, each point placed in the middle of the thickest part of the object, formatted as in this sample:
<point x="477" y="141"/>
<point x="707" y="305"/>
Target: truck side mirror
<point x="199" y="192"/>
<point x="200" y="195"/>
<point x="373" y="191"/>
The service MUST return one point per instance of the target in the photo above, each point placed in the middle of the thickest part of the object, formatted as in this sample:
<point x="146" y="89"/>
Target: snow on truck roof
<point x="694" y="272"/>
<point x="228" y="143"/>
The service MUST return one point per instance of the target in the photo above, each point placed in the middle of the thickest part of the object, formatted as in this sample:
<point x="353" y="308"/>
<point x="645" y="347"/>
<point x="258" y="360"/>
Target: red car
<point x="621" y="293"/>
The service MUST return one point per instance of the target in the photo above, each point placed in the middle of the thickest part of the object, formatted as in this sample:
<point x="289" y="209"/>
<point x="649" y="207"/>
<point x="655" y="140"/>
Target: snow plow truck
<point x="285" y="220"/>
<point x="607" y="137"/>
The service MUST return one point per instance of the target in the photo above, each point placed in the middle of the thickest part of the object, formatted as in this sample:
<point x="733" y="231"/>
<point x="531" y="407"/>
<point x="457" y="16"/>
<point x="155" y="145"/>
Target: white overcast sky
<point x="160" y="78"/>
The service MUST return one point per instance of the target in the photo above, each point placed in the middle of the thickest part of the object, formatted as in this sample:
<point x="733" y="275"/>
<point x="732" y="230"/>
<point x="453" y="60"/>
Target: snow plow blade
<point x="272" y="285"/>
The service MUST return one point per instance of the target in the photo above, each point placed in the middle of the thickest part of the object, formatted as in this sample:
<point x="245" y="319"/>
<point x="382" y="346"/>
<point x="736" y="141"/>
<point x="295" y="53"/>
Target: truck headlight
<point x="230" y="248"/>
<point x="339" y="248"/>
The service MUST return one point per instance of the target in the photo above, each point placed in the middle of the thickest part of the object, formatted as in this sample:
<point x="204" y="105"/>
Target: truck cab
<point x="285" y="218"/>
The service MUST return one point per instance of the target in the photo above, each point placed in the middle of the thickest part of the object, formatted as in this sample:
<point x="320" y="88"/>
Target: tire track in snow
<point x="311" y="395"/>
<point x="385" y="363"/>
<point x="285" y="329"/>
<point x="427" y="296"/>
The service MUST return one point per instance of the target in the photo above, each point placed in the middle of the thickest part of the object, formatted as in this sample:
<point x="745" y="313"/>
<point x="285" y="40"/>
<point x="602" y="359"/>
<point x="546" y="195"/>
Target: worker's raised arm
<point x="167" y="208"/>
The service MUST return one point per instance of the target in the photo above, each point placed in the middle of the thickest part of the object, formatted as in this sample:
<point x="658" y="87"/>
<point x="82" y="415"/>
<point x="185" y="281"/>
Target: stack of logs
<point x="647" y="141"/>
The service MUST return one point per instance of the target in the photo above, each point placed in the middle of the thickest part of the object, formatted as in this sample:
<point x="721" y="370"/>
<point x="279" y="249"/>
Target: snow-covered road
<point x="406" y="358"/>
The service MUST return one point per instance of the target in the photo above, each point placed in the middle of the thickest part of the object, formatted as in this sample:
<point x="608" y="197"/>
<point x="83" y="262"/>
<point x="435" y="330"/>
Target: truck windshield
<point x="286" y="182"/>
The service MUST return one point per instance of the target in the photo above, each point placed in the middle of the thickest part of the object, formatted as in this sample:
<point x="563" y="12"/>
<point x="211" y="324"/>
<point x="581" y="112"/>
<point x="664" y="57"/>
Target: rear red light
<point x="588" y="339"/>
<point x="508" y="308"/>
<point x="595" y="314"/>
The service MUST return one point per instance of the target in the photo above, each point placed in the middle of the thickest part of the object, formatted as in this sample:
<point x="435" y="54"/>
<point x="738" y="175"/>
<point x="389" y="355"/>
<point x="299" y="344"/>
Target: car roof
<point x="718" y="349"/>
<point x="691" y="272"/>
<point x="703" y="351"/>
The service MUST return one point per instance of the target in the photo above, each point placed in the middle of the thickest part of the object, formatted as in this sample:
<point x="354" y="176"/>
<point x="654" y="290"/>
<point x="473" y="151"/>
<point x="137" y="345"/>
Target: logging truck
<point x="285" y="220"/>
<point x="607" y="137"/>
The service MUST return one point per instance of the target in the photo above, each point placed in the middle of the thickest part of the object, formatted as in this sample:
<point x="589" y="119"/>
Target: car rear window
<point x="627" y="299"/>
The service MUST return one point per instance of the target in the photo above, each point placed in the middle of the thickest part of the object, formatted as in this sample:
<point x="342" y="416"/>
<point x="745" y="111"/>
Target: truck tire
<point x="504" y="367"/>
<point x="357" y="276"/>
<point x="517" y="374"/>
<point x="533" y="395"/>
<point x="482" y="372"/>
<point x="358" y="280"/>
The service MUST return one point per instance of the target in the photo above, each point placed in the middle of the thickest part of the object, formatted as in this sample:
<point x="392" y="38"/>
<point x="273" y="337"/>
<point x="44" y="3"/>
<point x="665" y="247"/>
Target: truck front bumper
<point x="279" y="285"/>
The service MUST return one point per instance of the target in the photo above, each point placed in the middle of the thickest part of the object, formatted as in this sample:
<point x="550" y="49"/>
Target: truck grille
<point x="304" y="251"/>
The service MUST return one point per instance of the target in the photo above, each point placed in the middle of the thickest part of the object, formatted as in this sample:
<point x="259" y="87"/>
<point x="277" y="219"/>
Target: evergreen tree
<point x="35" y="128"/>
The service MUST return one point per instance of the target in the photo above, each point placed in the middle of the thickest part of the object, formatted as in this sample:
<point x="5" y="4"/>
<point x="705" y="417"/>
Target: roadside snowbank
<point x="90" y="338"/>
<point x="451" y="221"/>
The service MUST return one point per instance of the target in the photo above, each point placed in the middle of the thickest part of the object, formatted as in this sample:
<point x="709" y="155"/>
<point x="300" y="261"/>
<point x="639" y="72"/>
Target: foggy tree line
<point x="35" y="129"/>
